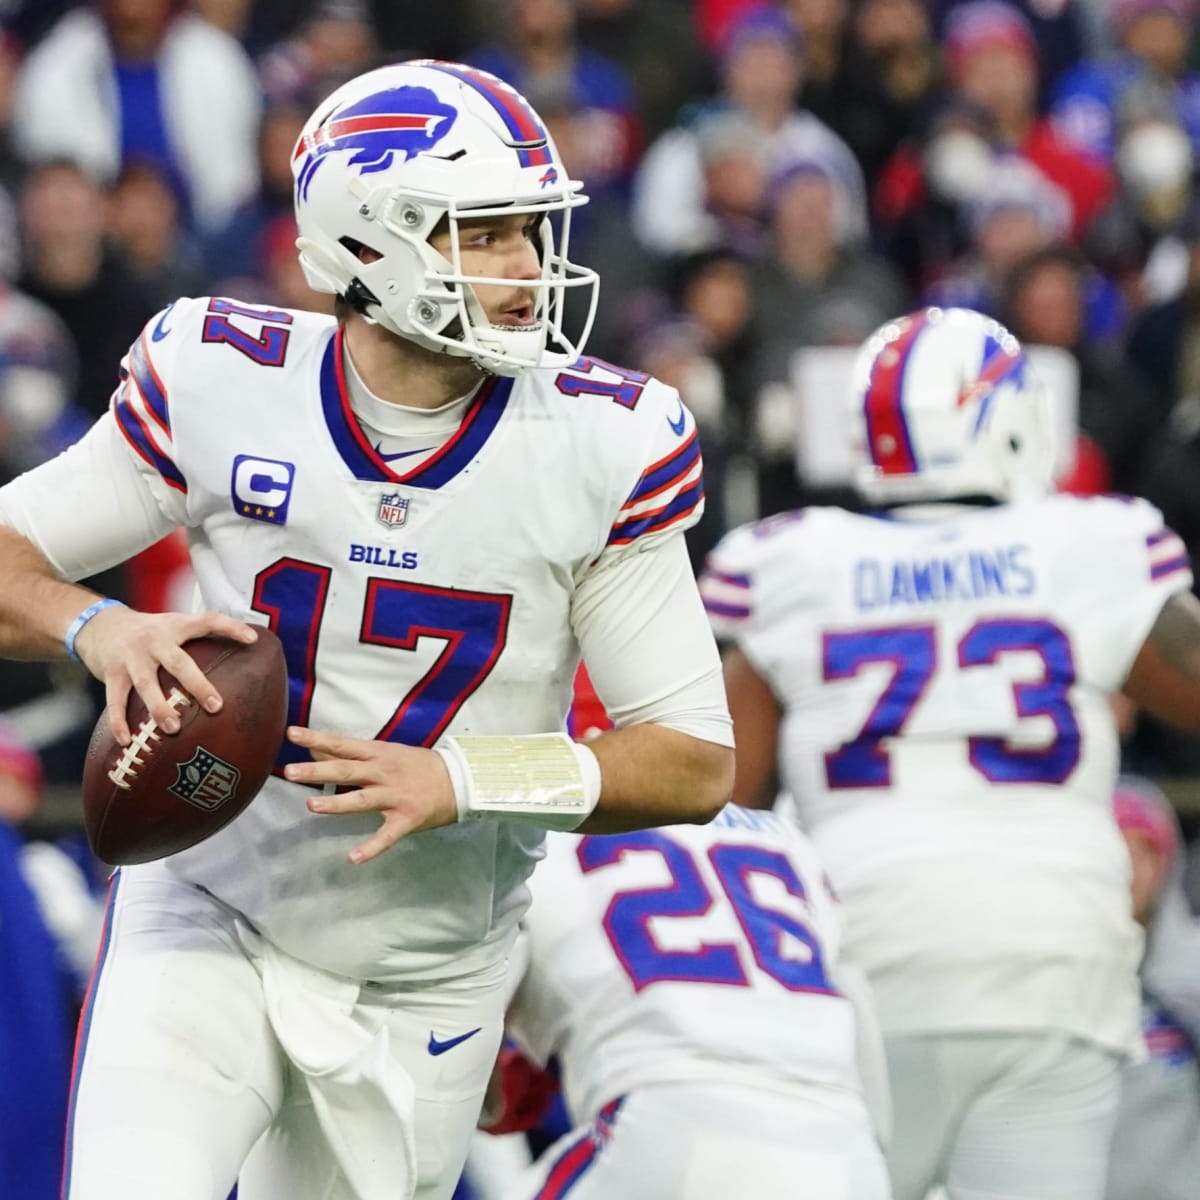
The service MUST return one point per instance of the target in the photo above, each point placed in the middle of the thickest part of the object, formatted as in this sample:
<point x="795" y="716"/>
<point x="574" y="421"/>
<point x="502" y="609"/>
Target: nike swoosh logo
<point x="401" y="454"/>
<point x="436" y="1047"/>
<point x="160" y="331"/>
<point x="677" y="426"/>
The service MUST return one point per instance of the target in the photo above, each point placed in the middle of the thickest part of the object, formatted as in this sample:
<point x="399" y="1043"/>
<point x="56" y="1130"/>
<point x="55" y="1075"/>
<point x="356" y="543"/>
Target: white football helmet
<point x="390" y="154"/>
<point x="944" y="406"/>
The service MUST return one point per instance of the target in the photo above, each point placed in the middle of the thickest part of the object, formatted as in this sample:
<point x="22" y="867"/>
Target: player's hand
<point x="124" y="648"/>
<point x="407" y="785"/>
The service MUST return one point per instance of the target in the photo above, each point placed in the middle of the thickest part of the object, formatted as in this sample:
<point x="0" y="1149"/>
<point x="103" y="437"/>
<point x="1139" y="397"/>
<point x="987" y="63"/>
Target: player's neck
<point x="399" y="372"/>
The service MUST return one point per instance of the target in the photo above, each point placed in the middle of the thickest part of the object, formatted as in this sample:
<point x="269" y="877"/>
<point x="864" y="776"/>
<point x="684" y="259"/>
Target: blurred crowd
<point x="765" y="178"/>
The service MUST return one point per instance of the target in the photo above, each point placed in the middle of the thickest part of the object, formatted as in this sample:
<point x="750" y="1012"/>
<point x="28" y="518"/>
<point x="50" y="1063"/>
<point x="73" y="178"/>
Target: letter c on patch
<point x="262" y="488"/>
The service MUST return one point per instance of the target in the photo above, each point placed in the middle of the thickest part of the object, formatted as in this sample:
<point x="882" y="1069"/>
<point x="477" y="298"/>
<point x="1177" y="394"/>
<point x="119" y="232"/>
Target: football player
<point x="437" y="503"/>
<point x="932" y="680"/>
<point x="686" y="980"/>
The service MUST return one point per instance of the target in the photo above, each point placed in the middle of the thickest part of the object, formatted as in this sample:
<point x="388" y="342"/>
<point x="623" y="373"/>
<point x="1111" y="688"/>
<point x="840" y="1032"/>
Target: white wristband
<point x="542" y="779"/>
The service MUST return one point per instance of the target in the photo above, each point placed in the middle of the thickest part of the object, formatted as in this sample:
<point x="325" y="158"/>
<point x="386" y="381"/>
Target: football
<point x="165" y="792"/>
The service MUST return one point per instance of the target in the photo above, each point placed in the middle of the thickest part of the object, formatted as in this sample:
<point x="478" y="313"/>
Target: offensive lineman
<point x="437" y="504"/>
<point x="932" y="682"/>
<point x="687" y="980"/>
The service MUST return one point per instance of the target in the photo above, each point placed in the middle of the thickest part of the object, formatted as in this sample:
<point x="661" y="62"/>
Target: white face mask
<point x="956" y="165"/>
<point x="1154" y="157"/>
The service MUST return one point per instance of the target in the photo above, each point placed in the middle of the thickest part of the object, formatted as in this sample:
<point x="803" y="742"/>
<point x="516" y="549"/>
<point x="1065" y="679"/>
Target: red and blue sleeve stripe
<point x="1168" y="555"/>
<point x="148" y="383"/>
<point x="138" y="434"/>
<point x="725" y="593"/>
<point x="682" y="505"/>
<point x="667" y="472"/>
<point x="527" y="132"/>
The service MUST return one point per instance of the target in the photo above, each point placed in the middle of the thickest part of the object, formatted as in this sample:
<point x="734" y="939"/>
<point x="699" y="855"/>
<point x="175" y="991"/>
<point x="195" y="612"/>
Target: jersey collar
<point x="480" y="419"/>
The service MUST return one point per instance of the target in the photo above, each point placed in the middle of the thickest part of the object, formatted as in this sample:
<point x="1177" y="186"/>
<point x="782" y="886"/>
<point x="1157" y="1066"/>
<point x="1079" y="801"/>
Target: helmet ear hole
<point x="360" y="250"/>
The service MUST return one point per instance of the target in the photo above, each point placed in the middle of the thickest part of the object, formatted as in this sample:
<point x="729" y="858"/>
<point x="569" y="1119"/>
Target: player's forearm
<point x="36" y="606"/>
<point x="652" y="775"/>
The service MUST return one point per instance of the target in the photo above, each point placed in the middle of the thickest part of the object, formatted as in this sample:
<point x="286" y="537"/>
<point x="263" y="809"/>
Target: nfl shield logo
<point x="393" y="509"/>
<point x="205" y="780"/>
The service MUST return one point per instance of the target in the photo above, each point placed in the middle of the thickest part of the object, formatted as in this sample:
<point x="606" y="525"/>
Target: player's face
<point x="503" y="247"/>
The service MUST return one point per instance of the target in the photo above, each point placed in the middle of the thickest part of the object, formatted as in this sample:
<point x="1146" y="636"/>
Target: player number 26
<point x="778" y="942"/>
<point x="911" y="650"/>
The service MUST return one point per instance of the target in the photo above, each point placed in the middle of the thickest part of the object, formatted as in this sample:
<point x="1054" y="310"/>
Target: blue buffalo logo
<point x="551" y="176"/>
<point x="403" y="120"/>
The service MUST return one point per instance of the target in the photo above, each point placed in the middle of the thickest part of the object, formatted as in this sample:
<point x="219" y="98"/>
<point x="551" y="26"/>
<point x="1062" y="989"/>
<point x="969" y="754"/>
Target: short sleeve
<point x="668" y="495"/>
<point x="1116" y="568"/>
<point x="141" y="405"/>
<point x="727" y="584"/>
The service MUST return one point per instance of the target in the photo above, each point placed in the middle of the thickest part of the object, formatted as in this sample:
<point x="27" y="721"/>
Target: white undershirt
<point x="405" y="437"/>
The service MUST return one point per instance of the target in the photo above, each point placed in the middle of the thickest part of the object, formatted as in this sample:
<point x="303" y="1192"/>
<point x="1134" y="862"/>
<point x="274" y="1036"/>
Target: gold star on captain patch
<point x="245" y="508"/>
<point x="258" y="511"/>
<point x="270" y="512"/>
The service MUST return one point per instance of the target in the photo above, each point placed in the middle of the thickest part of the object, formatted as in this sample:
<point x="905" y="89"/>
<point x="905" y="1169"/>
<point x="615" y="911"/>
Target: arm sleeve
<point x="1116" y="567"/>
<point x="647" y="644"/>
<point x="93" y="506"/>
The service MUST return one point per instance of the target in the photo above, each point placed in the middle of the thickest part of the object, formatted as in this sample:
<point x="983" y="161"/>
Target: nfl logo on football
<point x="393" y="510"/>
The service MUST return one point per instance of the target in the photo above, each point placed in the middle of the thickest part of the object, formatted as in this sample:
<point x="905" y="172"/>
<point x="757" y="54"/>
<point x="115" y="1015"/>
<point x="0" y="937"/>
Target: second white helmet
<point x="944" y="405"/>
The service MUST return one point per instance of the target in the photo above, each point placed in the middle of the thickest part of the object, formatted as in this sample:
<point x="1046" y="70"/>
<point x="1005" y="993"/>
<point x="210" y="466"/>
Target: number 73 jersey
<point x="946" y="736"/>
<point x="409" y="603"/>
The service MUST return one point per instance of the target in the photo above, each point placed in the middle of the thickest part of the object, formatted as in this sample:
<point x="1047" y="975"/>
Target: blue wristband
<point x="83" y="618"/>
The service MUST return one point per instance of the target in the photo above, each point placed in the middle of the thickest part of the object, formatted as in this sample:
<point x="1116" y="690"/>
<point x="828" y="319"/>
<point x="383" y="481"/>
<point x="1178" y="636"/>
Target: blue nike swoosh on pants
<point x="436" y="1047"/>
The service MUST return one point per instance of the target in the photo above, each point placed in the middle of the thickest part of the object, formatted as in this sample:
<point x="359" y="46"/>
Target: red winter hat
<point x="982" y="24"/>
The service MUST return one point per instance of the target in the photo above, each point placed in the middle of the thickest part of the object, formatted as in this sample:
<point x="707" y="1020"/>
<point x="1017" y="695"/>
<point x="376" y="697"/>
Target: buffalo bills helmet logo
<point x="551" y="176"/>
<point x="406" y="120"/>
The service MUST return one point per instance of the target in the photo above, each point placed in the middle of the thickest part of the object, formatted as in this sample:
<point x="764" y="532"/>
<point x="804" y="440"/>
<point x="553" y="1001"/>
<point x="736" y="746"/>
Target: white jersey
<point x="690" y="953"/>
<point x="410" y="605"/>
<point x="949" y="745"/>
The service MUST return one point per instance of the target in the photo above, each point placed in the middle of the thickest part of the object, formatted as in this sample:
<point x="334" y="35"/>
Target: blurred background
<point x="768" y="182"/>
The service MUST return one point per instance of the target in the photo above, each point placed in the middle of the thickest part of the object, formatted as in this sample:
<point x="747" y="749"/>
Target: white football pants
<point x="183" y="1083"/>
<point x="1000" y="1116"/>
<point x="691" y="1141"/>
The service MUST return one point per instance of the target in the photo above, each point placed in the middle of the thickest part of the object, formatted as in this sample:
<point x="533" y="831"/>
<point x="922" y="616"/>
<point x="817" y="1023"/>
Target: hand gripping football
<point x="165" y="792"/>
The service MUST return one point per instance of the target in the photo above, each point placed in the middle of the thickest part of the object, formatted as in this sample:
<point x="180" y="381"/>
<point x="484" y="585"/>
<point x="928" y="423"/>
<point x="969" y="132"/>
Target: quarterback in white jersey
<point x="686" y="979"/>
<point x="437" y="503"/>
<point x="932" y="682"/>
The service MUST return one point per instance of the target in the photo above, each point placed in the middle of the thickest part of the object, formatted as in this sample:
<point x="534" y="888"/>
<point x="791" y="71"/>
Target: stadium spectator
<point x="335" y="42"/>
<point x="1164" y="337"/>
<point x="49" y="932"/>
<point x="149" y="236"/>
<point x="1089" y="104"/>
<point x="1015" y="211"/>
<point x="922" y="196"/>
<point x="642" y="38"/>
<point x="144" y="79"/>
<point x="1156" y="1143"/>
<point x="762" y="67"/>
<point x="72" y="269"/>
<point x="1059" y="28"/>
<point x="1046" y="301"/>
<point x="819" y="284"/>
<point x="538" y="47"/>
<point x="224" y="250"/>
<point x="992" y="59"/>
<point x="890" y="77"/>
